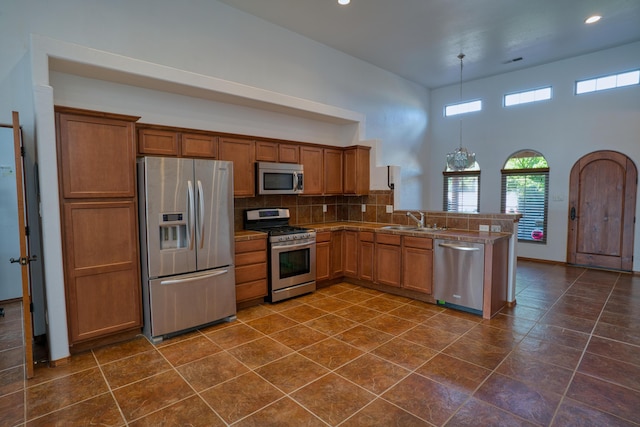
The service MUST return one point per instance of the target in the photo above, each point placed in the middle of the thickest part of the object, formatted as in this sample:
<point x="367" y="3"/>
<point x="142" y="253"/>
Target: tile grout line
<point x="584" y="351"/>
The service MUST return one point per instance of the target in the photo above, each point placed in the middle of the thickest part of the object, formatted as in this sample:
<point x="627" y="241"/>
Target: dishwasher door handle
<point x="457" y="247"/>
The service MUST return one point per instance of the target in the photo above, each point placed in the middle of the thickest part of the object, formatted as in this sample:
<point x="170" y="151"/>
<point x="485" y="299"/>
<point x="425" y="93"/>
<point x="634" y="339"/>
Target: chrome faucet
<point x="420" y="221"/>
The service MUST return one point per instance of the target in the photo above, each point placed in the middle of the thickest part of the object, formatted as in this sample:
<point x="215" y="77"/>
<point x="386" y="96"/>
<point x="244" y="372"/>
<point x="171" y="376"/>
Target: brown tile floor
<point x="567" y="354"/>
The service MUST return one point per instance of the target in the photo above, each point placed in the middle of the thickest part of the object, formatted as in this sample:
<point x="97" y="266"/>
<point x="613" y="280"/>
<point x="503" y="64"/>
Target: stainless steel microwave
<point x="279" y="178"/>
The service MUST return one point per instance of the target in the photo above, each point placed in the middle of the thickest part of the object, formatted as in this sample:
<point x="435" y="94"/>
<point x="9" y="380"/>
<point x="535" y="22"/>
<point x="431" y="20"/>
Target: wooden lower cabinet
<point x="337" y="265"/>
<point x="329" y="255"/>
<point x="351" y="242"/>
<point x="323" y="256"/>
<point x="388" y="260"/>
<point x="251" y="269"/>
<point x="101" y="268"/>
<point x="366" y="252"/>
<point x="417" y="264"/>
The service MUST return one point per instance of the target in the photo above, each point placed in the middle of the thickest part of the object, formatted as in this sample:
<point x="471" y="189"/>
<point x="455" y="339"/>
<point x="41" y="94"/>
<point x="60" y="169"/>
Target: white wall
<point x="212" y="40"/>
<point x="563" y="129"/>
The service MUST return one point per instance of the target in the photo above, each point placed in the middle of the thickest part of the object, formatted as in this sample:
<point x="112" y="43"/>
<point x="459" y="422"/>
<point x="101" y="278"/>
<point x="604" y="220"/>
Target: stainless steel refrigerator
<point x="186" y="243"/>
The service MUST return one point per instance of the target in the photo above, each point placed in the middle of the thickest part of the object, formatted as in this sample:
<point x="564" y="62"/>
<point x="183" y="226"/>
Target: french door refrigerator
<point x="186" y="243"/>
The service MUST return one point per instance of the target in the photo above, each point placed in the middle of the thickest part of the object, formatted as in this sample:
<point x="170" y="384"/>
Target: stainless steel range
<point x="292" y="252"/>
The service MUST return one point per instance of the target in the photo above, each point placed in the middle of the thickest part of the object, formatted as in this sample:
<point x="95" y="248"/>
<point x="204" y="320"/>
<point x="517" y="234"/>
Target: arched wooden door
<point x="602" y="203"/>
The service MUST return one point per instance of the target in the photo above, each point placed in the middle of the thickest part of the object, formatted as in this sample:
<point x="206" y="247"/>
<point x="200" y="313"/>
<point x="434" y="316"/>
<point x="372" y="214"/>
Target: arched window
<point x="525" y="190"/>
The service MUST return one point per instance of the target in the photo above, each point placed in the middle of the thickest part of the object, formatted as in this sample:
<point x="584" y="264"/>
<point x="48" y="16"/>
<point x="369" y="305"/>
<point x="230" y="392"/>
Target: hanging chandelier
<point x="460" y="158"/>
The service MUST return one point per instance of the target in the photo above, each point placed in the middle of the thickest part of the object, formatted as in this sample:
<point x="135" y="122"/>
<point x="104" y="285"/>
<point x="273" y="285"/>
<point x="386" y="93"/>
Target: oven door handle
<point x="296" y="245"/>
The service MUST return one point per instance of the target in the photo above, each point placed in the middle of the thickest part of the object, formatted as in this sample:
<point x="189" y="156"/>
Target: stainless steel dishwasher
<point x="458" y="274"/>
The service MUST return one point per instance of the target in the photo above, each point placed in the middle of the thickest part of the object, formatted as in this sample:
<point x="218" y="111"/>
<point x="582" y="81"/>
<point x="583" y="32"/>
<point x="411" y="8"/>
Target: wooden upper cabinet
<point x="333" y="171"/>
<point x="199" y="145"/>
<point x="288" y="153"/>
<point x="356" y="170"/>
<point x="312" y="160"/>
<point x="97" y="155"/>
<point x="158" y="142"/>
<point x="242" y="153"/>
<point x="266" y="151"/>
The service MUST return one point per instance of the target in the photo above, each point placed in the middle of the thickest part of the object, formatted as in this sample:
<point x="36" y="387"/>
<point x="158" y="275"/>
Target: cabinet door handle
<point x="573" y="213"/>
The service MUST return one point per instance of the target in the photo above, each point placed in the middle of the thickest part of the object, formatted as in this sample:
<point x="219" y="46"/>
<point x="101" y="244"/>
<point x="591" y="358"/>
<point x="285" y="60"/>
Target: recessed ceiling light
<point x="344" y="2"/>
<point x="592" y="19"/>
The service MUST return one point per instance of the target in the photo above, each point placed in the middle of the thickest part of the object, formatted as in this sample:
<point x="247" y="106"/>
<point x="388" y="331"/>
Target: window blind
<point x="461" y="192"/>
<point x="526" y="191"/>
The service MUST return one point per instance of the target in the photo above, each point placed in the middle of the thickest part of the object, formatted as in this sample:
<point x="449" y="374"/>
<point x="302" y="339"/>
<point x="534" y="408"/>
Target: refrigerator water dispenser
<point x="173" y="231"/>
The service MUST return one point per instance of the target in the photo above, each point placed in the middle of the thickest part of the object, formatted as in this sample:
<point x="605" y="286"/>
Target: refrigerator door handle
<point x="193" y="278"/>
<point x="191" y="214"/>
<point x="200" y="220"/>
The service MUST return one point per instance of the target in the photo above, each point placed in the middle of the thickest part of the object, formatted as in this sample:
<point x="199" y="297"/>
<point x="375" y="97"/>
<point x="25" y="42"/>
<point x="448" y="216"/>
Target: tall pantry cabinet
<point x="96" y="163"/>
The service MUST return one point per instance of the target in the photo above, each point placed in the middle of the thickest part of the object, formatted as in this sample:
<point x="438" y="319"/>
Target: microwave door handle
<point x="190" y="215"/>
<point x="295" y="181"/>
<point x="200" y="221"/>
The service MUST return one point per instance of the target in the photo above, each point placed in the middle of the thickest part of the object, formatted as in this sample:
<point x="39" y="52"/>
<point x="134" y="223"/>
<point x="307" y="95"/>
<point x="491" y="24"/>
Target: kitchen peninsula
<point x="400" y="261"/>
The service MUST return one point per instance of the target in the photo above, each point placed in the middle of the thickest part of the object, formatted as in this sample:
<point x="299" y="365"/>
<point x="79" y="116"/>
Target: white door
<point x="10" y="275"/>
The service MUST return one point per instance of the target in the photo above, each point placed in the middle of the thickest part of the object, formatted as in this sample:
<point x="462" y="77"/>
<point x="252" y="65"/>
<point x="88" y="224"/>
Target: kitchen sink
<point x="399" y="227"/>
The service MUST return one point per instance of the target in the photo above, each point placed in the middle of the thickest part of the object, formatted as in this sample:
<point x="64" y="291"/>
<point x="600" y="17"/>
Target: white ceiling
<point x="421" y="39"/>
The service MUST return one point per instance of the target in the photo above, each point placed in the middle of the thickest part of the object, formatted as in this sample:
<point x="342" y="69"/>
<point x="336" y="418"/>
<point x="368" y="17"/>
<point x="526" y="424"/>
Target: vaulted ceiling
<point x="421" y="39"/>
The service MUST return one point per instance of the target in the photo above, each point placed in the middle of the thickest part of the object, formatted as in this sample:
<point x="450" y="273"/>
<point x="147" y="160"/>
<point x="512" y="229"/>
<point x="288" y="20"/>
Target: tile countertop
<point x="249" y="235"/>
<point x="451" y="234"/>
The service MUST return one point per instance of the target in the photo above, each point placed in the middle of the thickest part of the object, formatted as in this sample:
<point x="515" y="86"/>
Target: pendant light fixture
<point x="461" y="158"/>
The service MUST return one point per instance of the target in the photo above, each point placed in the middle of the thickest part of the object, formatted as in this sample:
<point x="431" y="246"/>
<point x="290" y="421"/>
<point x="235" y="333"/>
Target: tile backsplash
<point x="310" y="210"/>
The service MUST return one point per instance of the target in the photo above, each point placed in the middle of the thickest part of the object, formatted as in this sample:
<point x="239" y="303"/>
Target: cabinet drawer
<point x="246" y="258"/>
<point x="388" y="239"/>
<point x="251" y="245"/>
<point x="324" y="236"/>
<point x="249" y="273"/>
<point x="418" y="242"/>
<point x="366" y="236"/>
<point x="251" y="290"/>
